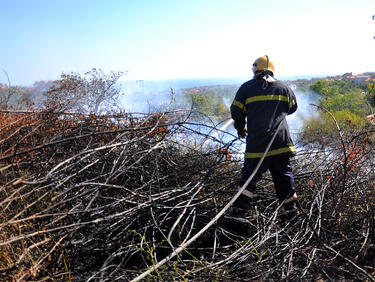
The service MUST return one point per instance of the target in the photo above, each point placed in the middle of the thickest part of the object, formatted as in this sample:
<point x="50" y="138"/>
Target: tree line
<point x="93" y="92"/>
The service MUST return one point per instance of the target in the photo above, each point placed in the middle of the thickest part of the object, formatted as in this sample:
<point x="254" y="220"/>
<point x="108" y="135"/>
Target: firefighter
<point x="261" y="104"/>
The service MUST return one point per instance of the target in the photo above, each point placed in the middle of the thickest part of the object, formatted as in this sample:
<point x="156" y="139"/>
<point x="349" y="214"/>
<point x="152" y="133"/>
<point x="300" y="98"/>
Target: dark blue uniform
<point x="262" y="104"/>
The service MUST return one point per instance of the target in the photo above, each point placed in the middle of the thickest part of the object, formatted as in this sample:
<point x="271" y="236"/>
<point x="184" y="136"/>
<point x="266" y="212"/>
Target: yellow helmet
<point x="262" y="64"/>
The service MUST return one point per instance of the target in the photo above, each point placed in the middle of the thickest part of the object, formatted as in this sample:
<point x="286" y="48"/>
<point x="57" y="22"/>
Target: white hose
<point x="217" y="131"/>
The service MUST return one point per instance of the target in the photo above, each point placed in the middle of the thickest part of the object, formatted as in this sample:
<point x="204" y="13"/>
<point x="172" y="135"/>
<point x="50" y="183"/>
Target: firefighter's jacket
<point x="263" y="106"/>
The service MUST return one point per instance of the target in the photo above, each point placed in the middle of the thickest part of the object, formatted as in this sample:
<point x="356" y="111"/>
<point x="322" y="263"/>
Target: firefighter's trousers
<point x="282" y="176"/>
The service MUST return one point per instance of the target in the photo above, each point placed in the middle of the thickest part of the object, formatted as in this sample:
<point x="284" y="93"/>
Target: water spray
<point x="218" y="131"/>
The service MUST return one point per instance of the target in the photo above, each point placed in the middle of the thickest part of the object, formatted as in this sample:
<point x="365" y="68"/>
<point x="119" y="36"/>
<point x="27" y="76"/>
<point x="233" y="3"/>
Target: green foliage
<point x="346" y="118"/>
<point x="346" y="101"/>
<point x="316" y="128"/>
<point x="333" y="88"/>
<point x="353" y="102"/>
<point x="371" y="94"/>
<point x="201" y="101"/>
<point x="345" y="86"/>
<point x="211" y="105"/>
<point x="222" y="110"/>
<point x="320" y="87"/>
<point x="210" y="100"/>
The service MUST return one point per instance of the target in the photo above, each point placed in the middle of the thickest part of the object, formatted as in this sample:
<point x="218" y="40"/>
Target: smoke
<point x="150" y="96"/>
<point x="305" y="111"/>
<point x="227" y="102"/>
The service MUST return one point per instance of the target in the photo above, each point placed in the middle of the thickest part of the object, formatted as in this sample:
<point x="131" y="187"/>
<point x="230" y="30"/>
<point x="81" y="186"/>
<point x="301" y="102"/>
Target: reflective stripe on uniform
<point x="271" y="152"/>
<point x="248" y="194"/>
<point x="292" y="103"/>
<point x="267" y="98"/>
<point x="293" y="198"/>
<point x="238" y="104"/>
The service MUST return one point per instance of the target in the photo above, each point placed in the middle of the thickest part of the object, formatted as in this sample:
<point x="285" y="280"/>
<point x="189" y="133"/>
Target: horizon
<point x="124" y="79"/>
<point x="239" y="79"/>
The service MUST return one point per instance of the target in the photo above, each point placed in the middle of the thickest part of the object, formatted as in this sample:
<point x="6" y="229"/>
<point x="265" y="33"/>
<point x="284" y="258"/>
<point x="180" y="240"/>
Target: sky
<point x="168" y="39"/>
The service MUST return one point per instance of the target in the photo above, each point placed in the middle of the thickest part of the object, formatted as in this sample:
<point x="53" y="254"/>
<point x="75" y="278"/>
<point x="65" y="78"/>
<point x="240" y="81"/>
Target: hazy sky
<point x="161" y="39"/>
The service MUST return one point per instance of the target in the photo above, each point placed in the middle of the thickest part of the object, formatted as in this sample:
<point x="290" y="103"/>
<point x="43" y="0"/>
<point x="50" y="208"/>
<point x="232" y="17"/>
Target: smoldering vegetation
<point x="104" y="198"/>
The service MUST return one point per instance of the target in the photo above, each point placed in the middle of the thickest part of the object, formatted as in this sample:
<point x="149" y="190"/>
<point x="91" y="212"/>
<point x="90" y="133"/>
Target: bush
<point x="95" y="92"/>
<point x="324" y="127"/>
<point x="354" y="102"/>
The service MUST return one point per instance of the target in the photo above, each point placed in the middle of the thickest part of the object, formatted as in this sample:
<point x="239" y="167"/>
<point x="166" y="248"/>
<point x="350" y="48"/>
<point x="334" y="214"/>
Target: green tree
<point x="354" y="102"/>
<point x="320" y="86"/>
<point x="201" y="102"/>
<point x="371" y="94"/>
<point x="333" y="88"/>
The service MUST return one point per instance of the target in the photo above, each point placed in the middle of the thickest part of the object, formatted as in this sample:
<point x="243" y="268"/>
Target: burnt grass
<point x="104" y="198"/>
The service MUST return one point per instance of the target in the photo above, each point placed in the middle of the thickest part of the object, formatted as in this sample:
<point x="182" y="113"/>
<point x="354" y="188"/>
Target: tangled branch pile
<point x="86" y="197"/>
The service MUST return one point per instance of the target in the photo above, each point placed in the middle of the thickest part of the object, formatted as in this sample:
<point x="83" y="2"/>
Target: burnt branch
<point x="106" y="197"/>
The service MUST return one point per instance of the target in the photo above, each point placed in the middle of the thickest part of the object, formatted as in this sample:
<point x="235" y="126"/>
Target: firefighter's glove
<point x="241" y="133"/>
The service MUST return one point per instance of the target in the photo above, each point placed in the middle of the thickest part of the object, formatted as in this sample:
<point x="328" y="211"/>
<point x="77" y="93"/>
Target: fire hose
<point x="209" y="224"/>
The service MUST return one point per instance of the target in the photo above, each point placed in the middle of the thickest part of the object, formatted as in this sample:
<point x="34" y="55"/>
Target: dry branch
<point x="88" y="197"/>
